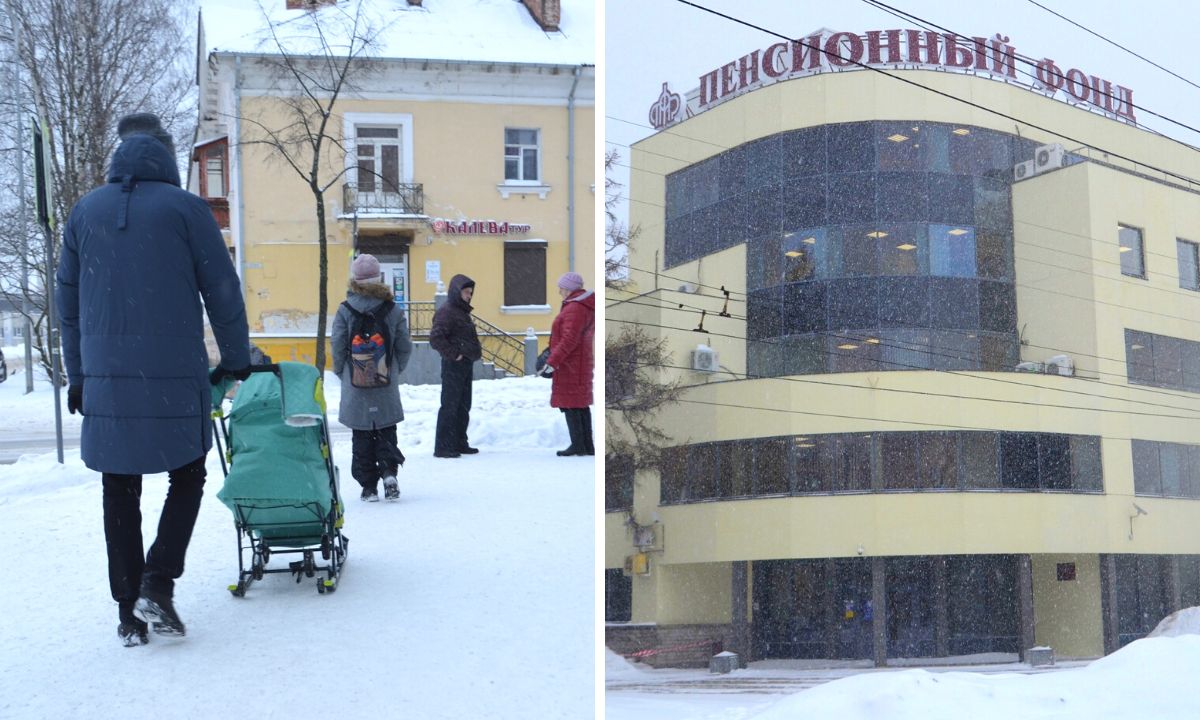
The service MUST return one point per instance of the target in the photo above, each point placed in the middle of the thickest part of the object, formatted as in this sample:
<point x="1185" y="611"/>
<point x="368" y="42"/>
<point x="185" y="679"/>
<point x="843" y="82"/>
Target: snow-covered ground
<point x="471" y="597"/>
<point x="1149" y="679"/>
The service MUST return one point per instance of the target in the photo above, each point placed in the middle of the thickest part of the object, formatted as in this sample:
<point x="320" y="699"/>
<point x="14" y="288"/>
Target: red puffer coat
<point x="572" y="351"/>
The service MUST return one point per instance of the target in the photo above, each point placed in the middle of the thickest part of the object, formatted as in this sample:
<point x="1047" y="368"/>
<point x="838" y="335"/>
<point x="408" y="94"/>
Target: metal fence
<point x="406" y="199"/>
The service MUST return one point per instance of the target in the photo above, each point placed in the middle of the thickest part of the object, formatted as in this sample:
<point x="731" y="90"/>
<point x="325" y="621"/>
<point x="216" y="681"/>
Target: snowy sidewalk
<point x="471" y="597"/>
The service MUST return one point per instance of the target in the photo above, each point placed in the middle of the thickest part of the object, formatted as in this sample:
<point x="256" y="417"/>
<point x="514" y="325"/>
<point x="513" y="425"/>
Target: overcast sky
<point x="648" y="42"/>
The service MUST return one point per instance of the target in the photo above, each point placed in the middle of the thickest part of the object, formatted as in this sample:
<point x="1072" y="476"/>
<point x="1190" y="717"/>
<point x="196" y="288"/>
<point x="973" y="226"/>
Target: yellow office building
<point x="949" y="403"/>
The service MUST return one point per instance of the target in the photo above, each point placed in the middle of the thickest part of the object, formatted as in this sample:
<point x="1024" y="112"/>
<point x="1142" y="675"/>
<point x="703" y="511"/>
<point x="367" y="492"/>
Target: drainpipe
<point x="571" y="171"/>
<point x="236" y="150"/>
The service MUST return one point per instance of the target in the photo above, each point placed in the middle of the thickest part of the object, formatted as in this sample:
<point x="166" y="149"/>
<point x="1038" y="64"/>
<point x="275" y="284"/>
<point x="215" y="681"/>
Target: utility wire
<point x="935" y="91"/>
<point x="1115" y="44"/>
<point x="1024" y="59"/>
<point x="965" y="373"/>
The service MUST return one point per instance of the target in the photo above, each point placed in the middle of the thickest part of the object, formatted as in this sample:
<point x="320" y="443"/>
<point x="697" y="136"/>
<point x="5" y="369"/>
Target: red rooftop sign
<point x="897" y="50"/>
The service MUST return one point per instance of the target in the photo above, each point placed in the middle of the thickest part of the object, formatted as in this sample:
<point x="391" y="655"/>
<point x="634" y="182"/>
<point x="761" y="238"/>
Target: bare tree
<point x="634" y="361"/>
<point x="316" y="60"/>
<point x="82" y="65"/>
<point x="617" y="235"/>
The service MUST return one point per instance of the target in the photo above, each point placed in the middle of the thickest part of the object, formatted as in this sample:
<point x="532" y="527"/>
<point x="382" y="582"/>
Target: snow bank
<point x="1140" y="681"/>
<point x="1181" y="622"/>
<point x="618" y="668"/>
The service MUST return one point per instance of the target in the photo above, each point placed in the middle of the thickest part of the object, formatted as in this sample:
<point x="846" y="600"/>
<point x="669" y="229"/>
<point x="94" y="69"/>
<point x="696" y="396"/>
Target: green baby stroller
<point x="280" y="481"/>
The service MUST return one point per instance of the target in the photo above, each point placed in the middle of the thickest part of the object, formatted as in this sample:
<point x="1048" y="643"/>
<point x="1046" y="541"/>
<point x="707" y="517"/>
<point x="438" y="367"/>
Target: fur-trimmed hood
<point x="373" y="290"/>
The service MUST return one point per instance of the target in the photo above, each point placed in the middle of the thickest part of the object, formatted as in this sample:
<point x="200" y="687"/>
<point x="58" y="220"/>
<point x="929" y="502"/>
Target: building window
<point x="1129" y="242"/>
<point x="1189" y="264"/>
<point x="377" y="150"/>
<point x="525" y="272"/>
<point x="911" y="462"/>
<point x="1162" y="361"/>
<point x="618" y="482"/>
<point x="618" y="596"/>
<point x="522" y="155"/>
<point x="214" y="173"/>
<point x="620" y="372"/>
<point x="1166" y="469"/>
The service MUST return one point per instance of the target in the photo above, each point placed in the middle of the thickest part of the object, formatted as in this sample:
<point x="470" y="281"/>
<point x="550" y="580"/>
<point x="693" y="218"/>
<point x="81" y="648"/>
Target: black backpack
<point x="370" y="347"/>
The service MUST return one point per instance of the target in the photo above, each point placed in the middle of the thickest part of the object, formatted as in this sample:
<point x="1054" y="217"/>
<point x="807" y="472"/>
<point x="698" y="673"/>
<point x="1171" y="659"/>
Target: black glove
<point x="75" y="399"/>
<point x="220" y="373"/>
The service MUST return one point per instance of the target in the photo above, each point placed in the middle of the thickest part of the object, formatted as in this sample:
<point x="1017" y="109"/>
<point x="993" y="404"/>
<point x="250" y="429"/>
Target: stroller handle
<point x="271" y="368"/>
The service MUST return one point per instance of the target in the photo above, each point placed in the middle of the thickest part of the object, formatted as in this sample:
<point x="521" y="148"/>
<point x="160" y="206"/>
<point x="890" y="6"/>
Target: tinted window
<point x="1054" y="462"/>
<point x="952" y="199"/>
<point x="851" y="197"/>
<point x="953" y="303"/>
<point x="853" y="304"/>
<point x="1086" y="470"/>
<point x="939" y="460"/>
<point x="904" y="302"/>
<point x="803" y="308"/>
<point x="952" y="250"/>
<point x="1129" y="245"/>
<point x="1147" y="479"/>
<point x="902" y="251"/>
<point x="764" y="214"/>
<point x="814" y="462"/>
<point x="803" y="203"/>
<point x="979" y="460"/>
<point x="803" y="255"/>
<point x="771" y="467"/>
<point x="1188" y="255"/>
<point x="850" y="147"/>
<point x="904" y="350"/>
<point x="804" y="152"/>
<point x="764" y="162"/>
<point x="899" y="453"/>
<point x="853" y="463"/>
<point x="1019" y="460"/>
<point x="902" y="196"/>
<point x="1139" y="357"/>
<point x="997" y="306"/>
<point x="764" y="308"/>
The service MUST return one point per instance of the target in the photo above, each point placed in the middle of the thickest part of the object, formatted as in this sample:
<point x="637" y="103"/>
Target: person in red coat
<point x="572" y="360"/>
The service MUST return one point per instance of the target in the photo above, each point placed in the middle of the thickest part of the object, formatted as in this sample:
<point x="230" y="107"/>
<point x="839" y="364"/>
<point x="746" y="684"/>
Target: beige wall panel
<point x="700" y="594"/>
<point x="1067" y="615"/>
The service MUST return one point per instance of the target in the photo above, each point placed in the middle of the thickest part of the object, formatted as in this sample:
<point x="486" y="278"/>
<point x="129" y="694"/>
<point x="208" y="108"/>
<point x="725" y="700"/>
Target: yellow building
<point x="438" y="163"/>
<point x="951" y="407"/>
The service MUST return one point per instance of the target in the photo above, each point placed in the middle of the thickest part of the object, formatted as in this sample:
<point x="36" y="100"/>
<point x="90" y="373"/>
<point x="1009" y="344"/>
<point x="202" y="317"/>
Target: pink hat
<point x="571" y="281"/>
<point x="365" y="268"/>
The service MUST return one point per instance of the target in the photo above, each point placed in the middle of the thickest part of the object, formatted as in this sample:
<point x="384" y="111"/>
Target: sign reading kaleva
<point x="899" y="50"/>
<point x="442" y="226"/>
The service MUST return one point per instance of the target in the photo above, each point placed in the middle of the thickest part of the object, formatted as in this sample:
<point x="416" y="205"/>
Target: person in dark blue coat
<point x="138" y="256"/>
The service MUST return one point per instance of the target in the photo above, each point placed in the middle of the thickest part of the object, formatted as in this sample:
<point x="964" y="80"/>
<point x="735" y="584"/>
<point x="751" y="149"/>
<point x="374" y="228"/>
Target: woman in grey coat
<point x="371" y="412"/>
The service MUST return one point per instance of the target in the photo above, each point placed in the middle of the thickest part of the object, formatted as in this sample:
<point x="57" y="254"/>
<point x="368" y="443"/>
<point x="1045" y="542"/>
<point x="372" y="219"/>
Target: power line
<point x="935" y="91"/>
<point x="1115" y="44"/>
<point x="901" y="347"/>
<point x="960" y="373"/>
<point x="1028" y="61"/>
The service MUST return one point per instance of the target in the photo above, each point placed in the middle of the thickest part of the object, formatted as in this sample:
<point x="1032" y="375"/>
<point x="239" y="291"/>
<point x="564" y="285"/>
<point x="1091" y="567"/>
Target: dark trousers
<point x="127" y="567"/>
<point x="374" y="454"/>
<point x="455" y="412"/>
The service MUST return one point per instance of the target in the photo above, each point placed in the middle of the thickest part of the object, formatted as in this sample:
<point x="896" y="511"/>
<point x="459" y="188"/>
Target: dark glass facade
<point x="870" y="246"/>
<point x="881" y="462"/>
<point x="948" y="605"/>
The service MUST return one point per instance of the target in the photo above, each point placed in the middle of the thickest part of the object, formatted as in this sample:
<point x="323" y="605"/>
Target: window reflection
<point x="802" y="251"/>
<point x="952" y="250"/>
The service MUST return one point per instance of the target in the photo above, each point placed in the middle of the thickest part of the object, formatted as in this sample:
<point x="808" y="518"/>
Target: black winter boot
<point x="585" y="431"/>
<point x="131" y="631"/>
<point x="574" y="424"/>
<point x="156" y="606"/>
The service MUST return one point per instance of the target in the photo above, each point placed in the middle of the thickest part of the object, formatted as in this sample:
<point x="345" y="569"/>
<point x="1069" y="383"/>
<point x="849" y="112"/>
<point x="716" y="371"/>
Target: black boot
<point x="157" y="607"/>
<point x="573" y="427"/>
<point x="585" y="431"/>
<point x="132" y="631"/>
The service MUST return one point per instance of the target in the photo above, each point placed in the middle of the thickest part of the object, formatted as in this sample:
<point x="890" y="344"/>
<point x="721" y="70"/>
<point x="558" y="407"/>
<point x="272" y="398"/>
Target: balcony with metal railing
<point x="384" y="198"/>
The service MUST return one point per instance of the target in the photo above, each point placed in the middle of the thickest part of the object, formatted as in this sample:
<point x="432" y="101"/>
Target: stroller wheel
<point x="325" y="547"/>
<point x="320" y="586"/>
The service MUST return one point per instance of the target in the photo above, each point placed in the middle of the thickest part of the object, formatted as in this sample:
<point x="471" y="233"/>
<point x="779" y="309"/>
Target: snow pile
<point x="1181" y="622"/>
<point x="1142" y="680"/>
<point x="618" y="668"/>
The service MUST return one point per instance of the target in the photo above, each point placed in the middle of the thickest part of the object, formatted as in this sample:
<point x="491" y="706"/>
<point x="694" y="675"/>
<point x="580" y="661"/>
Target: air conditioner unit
<point x="1030" y="367"/>
<point x="1023" y="170"/>
<point x="704" y="359"/>
<point x="1049" y="157"/>
<point x="1060" y="365"/>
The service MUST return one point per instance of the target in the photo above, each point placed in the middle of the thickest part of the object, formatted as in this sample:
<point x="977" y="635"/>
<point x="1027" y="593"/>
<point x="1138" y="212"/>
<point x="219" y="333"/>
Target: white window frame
<point x="351" y="120"/>
<point x="523" y="187"/>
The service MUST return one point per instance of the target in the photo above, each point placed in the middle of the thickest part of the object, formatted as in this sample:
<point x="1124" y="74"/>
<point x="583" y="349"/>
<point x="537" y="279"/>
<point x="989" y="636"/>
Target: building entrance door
<point x="395" y="275"/>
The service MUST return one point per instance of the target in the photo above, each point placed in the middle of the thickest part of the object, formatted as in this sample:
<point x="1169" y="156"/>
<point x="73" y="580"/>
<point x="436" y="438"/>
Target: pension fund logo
<point x="665" y="110"/>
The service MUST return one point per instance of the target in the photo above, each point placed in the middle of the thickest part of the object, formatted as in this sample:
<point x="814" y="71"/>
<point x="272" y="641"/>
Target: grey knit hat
<point x="145" y="124"/>
<point x="365" y="268"/>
